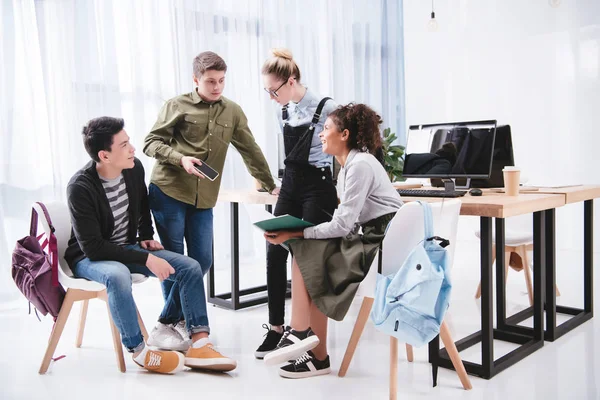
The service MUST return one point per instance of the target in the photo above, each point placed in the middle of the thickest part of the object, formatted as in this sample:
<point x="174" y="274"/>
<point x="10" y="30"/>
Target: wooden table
<point x="498" y="205"/>
<point x="487" y="207"/>
<point x="575" y="194"/>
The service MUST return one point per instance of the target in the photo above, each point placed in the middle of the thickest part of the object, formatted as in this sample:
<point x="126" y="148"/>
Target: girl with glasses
<point x="307" y="189"/>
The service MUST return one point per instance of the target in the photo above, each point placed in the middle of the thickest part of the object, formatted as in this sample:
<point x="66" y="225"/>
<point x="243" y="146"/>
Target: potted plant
<point x="392" y="156"/>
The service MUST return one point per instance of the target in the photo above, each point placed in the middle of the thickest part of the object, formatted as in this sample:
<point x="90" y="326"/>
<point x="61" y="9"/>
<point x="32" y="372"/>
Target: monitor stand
<point x="450" y="185"/>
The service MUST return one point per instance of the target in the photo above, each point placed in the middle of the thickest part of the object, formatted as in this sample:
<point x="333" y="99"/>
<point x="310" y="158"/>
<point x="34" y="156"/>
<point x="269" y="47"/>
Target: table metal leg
<point x="233" y="300"/>
<point x="552" y="331"/>
<point x="525" y="339"/>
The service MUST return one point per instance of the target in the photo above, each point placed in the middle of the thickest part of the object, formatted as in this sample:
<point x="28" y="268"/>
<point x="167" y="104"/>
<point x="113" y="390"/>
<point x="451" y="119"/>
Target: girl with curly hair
<point x="331" y="259"/>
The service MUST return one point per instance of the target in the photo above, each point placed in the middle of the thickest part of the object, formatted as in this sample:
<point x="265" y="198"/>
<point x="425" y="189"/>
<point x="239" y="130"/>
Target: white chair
<point x="517" y="244"/>
<point x="405" y="231"/>
<point x="77" y="289"/>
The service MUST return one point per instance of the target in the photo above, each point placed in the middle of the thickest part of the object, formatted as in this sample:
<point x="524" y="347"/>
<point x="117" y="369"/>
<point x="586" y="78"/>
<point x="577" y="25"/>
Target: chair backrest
<point x="406" y="230"/>
<point x="61" y="220"/>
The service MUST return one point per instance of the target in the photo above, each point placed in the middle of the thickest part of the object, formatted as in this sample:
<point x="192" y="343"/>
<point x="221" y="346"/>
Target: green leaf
<point x="393" y="156"/>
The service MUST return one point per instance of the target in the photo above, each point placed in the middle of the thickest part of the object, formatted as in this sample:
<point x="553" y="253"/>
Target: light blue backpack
<point x="410" y="304"/>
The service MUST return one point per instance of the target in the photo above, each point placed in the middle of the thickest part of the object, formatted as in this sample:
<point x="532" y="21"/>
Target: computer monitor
<point x="456" y="150"/>
<point x="503" y="156"/>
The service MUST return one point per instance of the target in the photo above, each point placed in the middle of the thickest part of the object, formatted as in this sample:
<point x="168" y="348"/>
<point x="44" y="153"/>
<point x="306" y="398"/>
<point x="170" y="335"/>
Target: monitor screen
<point x="502" y="157"/>
<point x="450" y="150"/>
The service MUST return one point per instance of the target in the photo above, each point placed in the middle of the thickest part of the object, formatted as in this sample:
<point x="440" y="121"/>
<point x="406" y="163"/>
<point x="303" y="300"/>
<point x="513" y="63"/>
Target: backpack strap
<point x="50" y="241"/>
<point x="427" y="219"/>
<point x="48" y="219"/>
<point x="33" y="224"/>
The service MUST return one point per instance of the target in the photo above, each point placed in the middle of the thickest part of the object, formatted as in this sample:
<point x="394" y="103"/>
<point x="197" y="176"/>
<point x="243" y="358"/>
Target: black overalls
<point x="307" y="192"/>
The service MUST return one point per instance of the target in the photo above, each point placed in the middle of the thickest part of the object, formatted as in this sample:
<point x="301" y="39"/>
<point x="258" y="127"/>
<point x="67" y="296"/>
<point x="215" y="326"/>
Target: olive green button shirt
<point x="189" y="126"/>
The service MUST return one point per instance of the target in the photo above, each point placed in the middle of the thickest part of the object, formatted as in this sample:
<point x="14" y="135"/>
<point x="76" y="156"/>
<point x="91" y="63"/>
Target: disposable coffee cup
<point x="512" y="176"/>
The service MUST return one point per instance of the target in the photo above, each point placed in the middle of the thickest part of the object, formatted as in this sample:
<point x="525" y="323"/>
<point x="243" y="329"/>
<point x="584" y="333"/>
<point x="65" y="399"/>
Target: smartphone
<point x="207" y="171"/>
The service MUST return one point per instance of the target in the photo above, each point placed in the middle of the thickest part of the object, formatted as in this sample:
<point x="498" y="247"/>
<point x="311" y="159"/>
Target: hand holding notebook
<point x="269" y="223"/>
<point x="282" y="223"/>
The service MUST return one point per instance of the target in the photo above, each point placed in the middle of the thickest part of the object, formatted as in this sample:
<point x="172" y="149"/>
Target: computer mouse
<point x="475" y="192"/>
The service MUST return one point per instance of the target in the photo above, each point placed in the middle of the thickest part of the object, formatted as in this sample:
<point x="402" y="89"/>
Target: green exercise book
<point x="282" y="223"/>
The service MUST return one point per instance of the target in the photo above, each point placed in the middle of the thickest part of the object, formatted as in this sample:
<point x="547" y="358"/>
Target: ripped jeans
<point x="117" y="279"/>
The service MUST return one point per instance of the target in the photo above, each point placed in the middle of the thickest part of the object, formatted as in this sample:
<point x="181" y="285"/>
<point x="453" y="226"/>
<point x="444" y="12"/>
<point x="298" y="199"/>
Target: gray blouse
<point x="365" y="193"/>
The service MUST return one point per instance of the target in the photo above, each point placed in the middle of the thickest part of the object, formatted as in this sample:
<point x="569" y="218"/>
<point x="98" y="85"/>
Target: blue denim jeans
<point x="176" y="220"/>
<point x="117" y="279"/>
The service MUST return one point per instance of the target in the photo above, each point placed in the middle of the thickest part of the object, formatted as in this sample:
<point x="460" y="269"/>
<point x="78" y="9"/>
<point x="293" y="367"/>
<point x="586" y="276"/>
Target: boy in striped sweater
<point x="112" y="238"/>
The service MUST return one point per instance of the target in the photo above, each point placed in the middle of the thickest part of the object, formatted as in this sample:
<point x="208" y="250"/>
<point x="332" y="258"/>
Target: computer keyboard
<point x="430" y="193"/>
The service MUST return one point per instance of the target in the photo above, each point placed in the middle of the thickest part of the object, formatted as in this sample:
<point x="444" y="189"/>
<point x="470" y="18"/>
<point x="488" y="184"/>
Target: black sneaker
<point x="306" y="366"/>
<point x="272" y="337"/>
<point x="292" y="345"/>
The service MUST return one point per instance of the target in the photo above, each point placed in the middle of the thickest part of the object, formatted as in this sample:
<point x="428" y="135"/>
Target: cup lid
<point x="511" y="168"/>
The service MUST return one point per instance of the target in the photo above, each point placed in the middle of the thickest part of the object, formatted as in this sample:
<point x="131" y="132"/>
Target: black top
<point x="93" y="222"/>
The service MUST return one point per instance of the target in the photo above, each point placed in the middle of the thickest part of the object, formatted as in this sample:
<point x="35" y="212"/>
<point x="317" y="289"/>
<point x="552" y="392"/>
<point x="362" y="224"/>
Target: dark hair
<point x="208" y="60"/>
<point x="448" y="151"/>
<point x="362" y="123"/>
<point x="98" y="134"/>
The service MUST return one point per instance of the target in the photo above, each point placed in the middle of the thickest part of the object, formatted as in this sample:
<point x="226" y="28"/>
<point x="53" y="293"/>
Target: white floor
<point x="566" y="369"/>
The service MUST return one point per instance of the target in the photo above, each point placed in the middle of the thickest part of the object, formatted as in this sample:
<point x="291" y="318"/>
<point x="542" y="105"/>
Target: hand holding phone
<point x="188" y="164"/>
<point x="207" y="171"/>
<point x="193" y="166"/>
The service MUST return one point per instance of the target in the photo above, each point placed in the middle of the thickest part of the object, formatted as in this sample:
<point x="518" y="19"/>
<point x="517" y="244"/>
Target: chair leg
<point x="478" y="292"/>
<point x="59" y="325"/>
<point x="527" y="272"/>
<point x="454" y="356"/>
<point x="434" y="357"/>
<point x="142" y="326"/>
<point x="359" y="326"/>
<point x="529" y="247"/>
<point x="116" y="336"/>
<point x="393" y="368"/>
<point x="409" y="353"/>
<point x="82" y="317"/>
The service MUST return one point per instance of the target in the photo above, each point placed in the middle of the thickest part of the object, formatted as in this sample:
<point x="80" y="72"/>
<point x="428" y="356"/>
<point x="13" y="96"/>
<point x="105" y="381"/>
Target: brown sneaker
<point x="163" y="362"/>
<point x="206" y="357"/>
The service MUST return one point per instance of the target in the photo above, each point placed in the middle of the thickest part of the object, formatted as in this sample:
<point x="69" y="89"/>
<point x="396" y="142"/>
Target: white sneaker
<point x="165" y="337"/>
<point x="183" y="332"/>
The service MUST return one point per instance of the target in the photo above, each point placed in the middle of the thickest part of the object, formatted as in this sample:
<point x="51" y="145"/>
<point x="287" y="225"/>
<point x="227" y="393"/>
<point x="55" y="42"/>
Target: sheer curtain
<point x="64" y="62"/>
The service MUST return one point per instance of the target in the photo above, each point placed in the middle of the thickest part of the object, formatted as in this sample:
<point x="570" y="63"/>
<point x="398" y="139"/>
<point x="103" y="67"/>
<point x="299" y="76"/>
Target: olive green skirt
<point x="333" y="269"/>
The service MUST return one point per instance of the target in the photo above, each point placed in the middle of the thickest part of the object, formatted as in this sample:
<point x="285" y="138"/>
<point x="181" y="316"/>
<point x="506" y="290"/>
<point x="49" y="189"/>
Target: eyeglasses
<point x="274" y="92"/>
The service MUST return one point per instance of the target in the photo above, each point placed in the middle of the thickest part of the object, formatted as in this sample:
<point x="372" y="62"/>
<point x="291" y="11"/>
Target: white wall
<point x="523" y="63"/>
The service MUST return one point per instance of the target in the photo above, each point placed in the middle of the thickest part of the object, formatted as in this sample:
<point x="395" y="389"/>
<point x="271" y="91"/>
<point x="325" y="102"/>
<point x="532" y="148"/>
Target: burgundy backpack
<point x="36" y="273"/>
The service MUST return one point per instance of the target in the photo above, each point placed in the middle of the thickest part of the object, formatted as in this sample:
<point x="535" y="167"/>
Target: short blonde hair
<point x="281" y="65"/>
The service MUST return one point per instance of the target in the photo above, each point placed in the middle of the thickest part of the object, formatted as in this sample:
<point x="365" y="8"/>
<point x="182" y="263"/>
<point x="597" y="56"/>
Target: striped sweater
<point x="116" y="193"/>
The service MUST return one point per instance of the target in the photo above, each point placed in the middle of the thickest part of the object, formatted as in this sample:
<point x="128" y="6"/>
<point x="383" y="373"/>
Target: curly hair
<point x="362" y="123"/>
